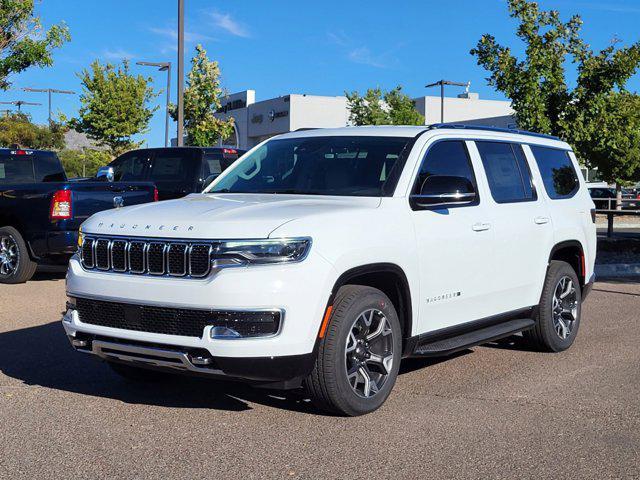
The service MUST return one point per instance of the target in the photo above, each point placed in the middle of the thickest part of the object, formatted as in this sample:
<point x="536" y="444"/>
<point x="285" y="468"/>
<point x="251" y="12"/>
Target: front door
<point x="455" y="245"/>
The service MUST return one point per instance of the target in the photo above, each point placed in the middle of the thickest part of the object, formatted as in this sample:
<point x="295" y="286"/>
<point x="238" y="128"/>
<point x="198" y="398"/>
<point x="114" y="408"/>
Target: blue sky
<point x="281" y="47"/>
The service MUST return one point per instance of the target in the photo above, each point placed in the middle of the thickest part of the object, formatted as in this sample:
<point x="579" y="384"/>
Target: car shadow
<point x="44" y="274"/>
<point x="42" y="356"/>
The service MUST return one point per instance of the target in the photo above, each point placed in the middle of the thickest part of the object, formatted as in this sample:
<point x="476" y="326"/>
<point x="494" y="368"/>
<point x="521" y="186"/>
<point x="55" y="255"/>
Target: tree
<point x="596" y="116"/>
<point x="85" y="163"/>
<point x="376" y="108"/>
<point x="202" y="98"/>
<point x="22" y="42"/>
<point x="17" y="129"/>
<point x="114" y="106"/>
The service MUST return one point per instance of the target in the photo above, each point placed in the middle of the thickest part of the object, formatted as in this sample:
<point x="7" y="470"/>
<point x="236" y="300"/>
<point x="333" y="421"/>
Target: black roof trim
<point x="487" y="128"/>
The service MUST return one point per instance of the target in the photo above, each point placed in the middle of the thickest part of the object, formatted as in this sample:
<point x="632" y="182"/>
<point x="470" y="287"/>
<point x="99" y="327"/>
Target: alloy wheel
<point x="369" y="353"/>
<point x="564" y="307"/>
<point x="8" y="255"/>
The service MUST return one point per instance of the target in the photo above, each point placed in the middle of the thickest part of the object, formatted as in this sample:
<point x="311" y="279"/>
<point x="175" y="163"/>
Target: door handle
<point x="541" y="220"/>
<point x="480" y="227"/>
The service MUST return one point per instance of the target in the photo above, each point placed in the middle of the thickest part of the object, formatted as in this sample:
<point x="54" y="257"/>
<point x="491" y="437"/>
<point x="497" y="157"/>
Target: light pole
<point x="49" y="91"/>
<point x="19" y="103"/>
<point x="442" y="83"/>
<point x="180" y="72"/>
<point x="163" y="66"/>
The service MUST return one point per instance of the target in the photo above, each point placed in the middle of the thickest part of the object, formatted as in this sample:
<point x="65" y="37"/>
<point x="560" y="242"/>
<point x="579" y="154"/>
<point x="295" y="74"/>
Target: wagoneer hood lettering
<point x="220" y="215"/>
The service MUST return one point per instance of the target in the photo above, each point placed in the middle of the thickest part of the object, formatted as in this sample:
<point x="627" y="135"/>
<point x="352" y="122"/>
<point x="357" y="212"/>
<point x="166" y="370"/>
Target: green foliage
<point x="22" y="42"/>
<point x="85" y="163"/>
<point x="201" y="100"/>
<point x="114" y="106"/>
<point x="597" y="116"/>
<point x="17" y="129"/>
<point x="376" y="108"/>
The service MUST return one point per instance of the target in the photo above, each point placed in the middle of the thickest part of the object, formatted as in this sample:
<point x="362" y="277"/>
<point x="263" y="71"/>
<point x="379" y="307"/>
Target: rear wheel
<point x="15" y="264"/>
<point x="559" y="310"/>
<point x="359" y="356"/>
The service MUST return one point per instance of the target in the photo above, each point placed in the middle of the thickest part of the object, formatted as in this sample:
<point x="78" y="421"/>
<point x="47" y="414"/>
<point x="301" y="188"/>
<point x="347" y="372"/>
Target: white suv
<point x="322" y="258"/>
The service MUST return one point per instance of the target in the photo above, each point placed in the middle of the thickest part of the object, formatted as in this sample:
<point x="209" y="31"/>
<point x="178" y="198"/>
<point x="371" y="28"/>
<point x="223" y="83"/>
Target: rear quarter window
<point x="558" y="173"/>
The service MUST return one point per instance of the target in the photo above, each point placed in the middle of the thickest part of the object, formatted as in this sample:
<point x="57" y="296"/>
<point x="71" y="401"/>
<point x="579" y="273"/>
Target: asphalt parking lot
<point x="493" y="412"/>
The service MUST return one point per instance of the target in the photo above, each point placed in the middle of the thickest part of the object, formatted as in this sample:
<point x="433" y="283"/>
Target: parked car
<point x="322" y="258"/>
<point x="176" y="171"/>
<point x="605" y="198"/>
<point x="40" y="210"/>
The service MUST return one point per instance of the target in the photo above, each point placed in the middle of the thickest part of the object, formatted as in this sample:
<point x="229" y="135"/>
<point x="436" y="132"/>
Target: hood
<point x="218" y="216"/>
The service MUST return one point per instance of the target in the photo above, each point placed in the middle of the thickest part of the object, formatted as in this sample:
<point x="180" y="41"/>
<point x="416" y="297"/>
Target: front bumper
<point x="300" y="290"/>
<point x="282" y="372"/>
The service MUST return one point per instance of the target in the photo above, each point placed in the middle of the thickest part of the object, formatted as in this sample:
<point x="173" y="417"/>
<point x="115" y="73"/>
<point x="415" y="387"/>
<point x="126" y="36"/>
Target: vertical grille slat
<point x="177" y="259"/>
<point x="87" y="253"/>
<point x="142" y="256"/>
<point x="102" y="253"/>
<point x="155" y="258"/>
<point x="199" y="260"/>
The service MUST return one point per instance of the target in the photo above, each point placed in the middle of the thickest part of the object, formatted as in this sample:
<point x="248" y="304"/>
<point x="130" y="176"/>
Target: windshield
<point x="347" y="166"/>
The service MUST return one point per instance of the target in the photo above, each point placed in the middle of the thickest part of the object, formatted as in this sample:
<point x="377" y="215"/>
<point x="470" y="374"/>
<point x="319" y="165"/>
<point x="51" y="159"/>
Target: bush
<point x="85" y="163"/>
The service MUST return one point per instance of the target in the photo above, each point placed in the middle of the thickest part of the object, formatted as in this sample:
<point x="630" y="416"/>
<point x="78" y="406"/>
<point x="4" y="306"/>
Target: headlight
<point x="260" y="252"/>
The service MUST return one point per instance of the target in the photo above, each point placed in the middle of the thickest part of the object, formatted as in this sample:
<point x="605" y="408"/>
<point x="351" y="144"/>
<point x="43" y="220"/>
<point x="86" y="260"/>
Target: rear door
<point x="521" y="223"/>
<point x="175" y="171"/>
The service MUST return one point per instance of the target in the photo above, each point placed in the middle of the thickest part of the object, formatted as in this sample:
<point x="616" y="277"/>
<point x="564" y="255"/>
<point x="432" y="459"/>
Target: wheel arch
<point x="388" y="278"/>
<point x="572" y="252"/>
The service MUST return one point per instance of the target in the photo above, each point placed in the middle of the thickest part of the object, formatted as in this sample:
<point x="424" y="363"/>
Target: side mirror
<point x="105" y="173"/>
<point x="442" y="190"/>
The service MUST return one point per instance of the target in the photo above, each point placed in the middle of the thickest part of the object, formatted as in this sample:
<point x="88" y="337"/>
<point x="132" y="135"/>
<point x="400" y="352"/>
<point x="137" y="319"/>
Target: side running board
<point x="447" y="346"/>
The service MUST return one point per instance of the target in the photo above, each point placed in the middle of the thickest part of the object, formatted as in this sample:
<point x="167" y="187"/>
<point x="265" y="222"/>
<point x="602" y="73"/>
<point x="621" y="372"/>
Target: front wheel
<point x="559" y="310"/>
<point x="359" y="355"/>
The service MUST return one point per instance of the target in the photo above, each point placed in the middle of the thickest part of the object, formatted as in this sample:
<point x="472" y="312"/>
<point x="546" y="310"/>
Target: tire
<point x="379" y="351"/>
<point x="15" y="264"/>
<point x="547" y="334"/>
<point x="139" y="375"/>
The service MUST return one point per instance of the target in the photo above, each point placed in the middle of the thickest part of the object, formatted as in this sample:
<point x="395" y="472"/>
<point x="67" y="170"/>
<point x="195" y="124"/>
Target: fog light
<point x="245" y="324"/>
<point x="224" y="332"/>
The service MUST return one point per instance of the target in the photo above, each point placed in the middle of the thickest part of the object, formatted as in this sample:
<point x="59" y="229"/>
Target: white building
<point x="257" y="121"/>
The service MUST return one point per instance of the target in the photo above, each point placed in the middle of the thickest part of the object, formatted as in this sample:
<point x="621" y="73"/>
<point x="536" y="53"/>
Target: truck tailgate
<point x="91" y="197"/>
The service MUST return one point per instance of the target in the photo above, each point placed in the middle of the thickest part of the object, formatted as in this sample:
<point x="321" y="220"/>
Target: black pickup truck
<point x="176" y="171"/>
<point x="41" y="210"/>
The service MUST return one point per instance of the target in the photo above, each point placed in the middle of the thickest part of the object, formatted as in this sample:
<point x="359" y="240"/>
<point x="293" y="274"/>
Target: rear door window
<point x="558" y="174"/>
<point x="48" y="167"/>
<point x="507" y="172"/>
<point x="130" y="167"/>
<point x="16" y="168"/>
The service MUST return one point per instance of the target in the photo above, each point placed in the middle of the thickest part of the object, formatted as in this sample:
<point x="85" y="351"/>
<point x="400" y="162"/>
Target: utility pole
<point x="162" y="67"/>
<point x="49" y="91"/>
<point x="180" y="73"/>
<point x="19" y="103"/>
<point x="441" y="84"/>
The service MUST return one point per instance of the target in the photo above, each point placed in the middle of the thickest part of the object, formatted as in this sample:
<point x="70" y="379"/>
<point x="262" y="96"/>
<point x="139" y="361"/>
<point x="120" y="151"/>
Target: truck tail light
<point x="230" y="151"/>
<point x="155" y="194"/>
<point x="61" y="205"/>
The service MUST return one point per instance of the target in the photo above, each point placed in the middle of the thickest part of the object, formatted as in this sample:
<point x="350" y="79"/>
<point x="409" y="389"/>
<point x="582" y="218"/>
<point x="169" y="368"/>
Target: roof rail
<point x="487" y="128"/>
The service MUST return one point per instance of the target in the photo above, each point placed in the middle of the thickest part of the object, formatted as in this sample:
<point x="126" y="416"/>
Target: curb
<point x="617" y="270"/>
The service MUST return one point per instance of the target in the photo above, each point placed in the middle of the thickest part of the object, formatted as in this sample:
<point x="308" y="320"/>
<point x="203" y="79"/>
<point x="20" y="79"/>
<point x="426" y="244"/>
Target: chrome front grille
<point x="152" y="257"/>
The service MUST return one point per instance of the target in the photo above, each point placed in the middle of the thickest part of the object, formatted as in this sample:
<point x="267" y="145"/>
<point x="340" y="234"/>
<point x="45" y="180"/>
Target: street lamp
<point x="163" y="66"/>
<point x="442" y="83"/>
<point x="180" y="132"/>
<point x="19" y="103"/>
<point x="49" y="91"/>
